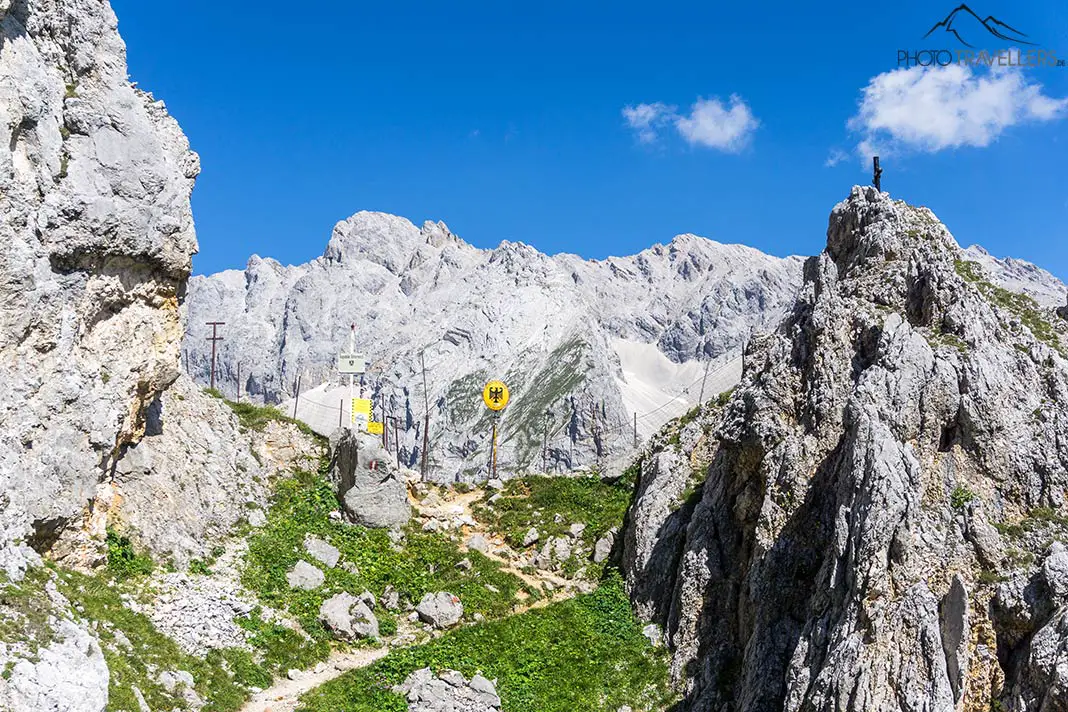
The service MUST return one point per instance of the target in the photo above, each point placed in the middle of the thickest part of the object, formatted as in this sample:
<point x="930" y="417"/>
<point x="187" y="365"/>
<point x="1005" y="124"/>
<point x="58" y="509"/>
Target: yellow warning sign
<point x="495" y="395"/>
<point x="374" y="428"/>
<point x="361" y="410"/>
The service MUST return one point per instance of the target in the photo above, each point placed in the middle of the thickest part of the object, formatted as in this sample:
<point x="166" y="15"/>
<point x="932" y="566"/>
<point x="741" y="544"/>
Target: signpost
<point x="354" y="364"/>
<point x="495" y="396"/>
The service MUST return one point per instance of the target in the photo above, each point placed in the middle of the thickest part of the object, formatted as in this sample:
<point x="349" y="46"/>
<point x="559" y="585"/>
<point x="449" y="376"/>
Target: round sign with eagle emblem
<point x="495" y="395"/>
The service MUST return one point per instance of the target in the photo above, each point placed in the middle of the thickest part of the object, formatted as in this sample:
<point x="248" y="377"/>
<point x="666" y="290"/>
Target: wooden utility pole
<point x="545" y="443"/>
<point x="396" y="438"/>
<point x="296" y="398"/>
<point x="214" y="338"/>
<point x="493" y="462"/>
<point x="877" y="174"/>
<point x="596" y="433"/>
<point x="701" y="398"/>
<point x="385" y="420"/>
<point x="426" y="419"/>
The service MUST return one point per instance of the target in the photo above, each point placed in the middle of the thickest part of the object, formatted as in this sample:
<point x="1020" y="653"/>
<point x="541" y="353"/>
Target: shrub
<point x="123" y="560"/>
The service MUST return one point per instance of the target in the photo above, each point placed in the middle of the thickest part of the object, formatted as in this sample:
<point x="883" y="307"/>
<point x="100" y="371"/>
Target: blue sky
<point x="600" y="129"/>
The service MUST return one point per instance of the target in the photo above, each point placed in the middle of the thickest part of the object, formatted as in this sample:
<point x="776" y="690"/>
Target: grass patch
<point x="425" y="562"/>
<point x="123" y="560"/>
<point x="25" y="610"/>
<point x="565" y="369"/>
<point x="203" y="566"/>
<point x="282" y="649"/>
<point x="960" y="496"/>
<point x="535" y="500"/>
<point x="256" y="417"/>
<point x="586" y="654"/>
<point x="1026" y="309"/>
<point x="151" y="652"/>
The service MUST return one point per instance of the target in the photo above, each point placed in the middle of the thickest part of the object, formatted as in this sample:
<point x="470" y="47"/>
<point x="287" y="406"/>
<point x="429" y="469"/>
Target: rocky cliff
<point x="97" y="232"/>
<point x="590" y="343"/>
<point x="882" y="496"/>
<point x="97" y="237"/>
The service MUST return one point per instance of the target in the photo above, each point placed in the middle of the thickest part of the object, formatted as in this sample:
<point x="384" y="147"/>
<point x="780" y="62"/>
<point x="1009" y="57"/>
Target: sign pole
<point x="352" y="377"/>
<point x="493" y="466"/>
<point x="495" y="396"/>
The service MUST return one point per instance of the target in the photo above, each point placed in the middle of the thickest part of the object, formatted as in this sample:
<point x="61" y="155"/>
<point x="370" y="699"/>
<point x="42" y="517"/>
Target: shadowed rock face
<point x="842" y="554"/>
<point x="97" y="238"/>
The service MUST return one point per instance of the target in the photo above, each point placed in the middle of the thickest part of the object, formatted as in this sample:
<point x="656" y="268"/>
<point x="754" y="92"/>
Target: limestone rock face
<point x="840" y="553"/>
<point x="97" y="238"/>
<point x="196" y="473"/>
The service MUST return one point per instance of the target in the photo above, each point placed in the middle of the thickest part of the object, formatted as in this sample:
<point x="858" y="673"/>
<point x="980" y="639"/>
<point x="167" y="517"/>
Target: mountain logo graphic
<point x="964" y="22"/>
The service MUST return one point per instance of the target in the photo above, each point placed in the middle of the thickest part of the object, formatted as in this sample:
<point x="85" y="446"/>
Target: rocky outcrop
<point x="372" y="490"/>
<point x="348" y="617"/>
<point x="448" y="691"/>
<point x="842" y="552"/>
<point x="69" y="675"/>
<point x="196" y="473"/>
<point x="98" y="235"/>
<point x="588" y="342"/>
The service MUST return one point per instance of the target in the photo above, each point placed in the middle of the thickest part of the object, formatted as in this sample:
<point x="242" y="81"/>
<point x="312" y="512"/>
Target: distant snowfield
<point x="658" y="389"/>
<point x="652" y="385"/>
<point x="324" y="408"/>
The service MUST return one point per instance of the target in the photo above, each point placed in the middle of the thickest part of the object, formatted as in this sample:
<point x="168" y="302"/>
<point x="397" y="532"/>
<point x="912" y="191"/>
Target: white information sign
<point x="351" y="363"/>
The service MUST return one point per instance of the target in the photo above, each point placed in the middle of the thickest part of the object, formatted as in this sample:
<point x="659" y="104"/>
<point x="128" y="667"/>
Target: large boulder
<point x="348" y="617"/>
<point x="441" y="610"/>
<point x="305" y="576"/>
<point x="69" y="675"/>
<point x="366" y="478"/>
<point x="449" y="691"/>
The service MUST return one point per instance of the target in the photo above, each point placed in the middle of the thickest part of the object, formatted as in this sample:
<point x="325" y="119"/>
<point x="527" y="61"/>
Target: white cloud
<point x="646" y="119"/>
<point x="930" y="109"/>
<point x="835" y="157"/>
<point x="711" y="123"/>
<point x="715" y="125"/>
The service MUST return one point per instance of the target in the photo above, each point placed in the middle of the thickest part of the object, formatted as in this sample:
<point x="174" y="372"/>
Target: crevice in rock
<point x="953" y="615"/>
<point x="920" y="303"/>
<point x="154" y="418"/>
<point x="45" y="534"/>
<point x="950" y="436"/>
<point x="866" y="349"/>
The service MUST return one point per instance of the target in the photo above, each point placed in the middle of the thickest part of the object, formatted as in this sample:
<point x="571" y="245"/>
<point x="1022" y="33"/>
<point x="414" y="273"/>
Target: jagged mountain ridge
<point x="866" y="524"/>
<point x="645" y="326"/>
<point x="592" y="342"/>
